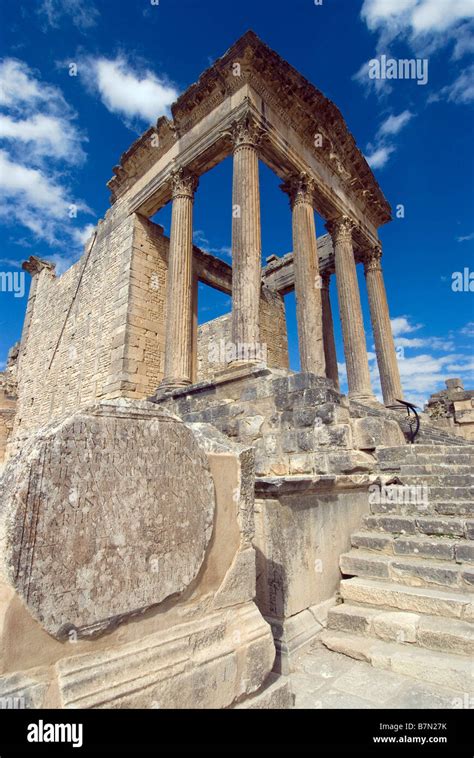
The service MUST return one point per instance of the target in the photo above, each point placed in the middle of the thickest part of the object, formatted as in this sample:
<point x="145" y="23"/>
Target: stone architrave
<point x="246" y="236"/>
<point x="382" y="329"/>
<point x="179" y="320"/>
<point x="352" y="322"/>
<point x="307" y="280"/>
<point x="105" y="515"/>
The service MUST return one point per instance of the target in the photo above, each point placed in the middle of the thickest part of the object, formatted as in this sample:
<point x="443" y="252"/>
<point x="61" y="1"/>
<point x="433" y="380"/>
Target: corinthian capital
<point x="373" y="259"/>
<point x="300" y="188"/>
<point x="341" y="228"/>
<point x="246" y="132"/>
<point x="183" y="183"/>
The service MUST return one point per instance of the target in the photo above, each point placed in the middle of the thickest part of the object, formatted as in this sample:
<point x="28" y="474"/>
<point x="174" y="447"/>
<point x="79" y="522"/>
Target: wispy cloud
<point x="423" y="27"/>
<point x="401" y="325"/>
<point x="466" y="238"/>
<point x="378" y="157"/>
<point x="379" y="152"/>
<point x="133" y="92"/>
<point x="34" y="189"/>
<point x="200" y="239"/>
<point x="423" y="373"/>
<point x="461" y="91"/>
<point x="82" y="13"/>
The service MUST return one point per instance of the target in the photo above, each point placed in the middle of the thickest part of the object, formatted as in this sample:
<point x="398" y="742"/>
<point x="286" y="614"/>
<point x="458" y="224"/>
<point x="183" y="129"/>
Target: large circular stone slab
<point x="104" y="516"/>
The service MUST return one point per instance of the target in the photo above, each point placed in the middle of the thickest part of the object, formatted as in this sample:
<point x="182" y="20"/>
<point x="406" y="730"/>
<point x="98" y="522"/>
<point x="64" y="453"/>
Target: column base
<point x="168" y="386"/>
<point x="368" y="399"/>
<point x="238" y="368"/>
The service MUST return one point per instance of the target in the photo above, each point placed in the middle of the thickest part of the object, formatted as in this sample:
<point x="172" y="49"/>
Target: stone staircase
<point x="429" y="433"/>
<point x="408" y="599"/>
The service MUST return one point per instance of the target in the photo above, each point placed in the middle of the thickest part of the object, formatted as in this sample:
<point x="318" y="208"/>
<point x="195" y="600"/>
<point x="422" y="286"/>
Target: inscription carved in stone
<point x="105" y="516"/>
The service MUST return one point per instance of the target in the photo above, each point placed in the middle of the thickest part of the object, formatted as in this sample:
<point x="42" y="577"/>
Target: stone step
<point x="382" y="594"/>
<point x="443" y="669"/>
<point x="414" y="572"/>
<point x="434" y="507"/>
<point x="446" y="492"/>
<point x="437" y="548"/>
<point x="425" y="453"/>
<point x="425" y="523"/>
<point x="426" y="469"/>
<point x="434" y="437"/>
<point x="463" y="481"/>
<point x="433" y="632"/>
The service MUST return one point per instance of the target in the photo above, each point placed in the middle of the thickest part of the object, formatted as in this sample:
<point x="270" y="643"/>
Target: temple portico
<point x="341" y="190"/>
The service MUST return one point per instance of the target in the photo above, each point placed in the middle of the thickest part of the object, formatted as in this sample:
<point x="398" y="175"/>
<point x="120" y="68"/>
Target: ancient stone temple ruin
<point x="180" y="512"/>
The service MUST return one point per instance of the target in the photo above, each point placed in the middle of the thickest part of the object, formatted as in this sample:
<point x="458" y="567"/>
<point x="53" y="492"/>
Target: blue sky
<point x="60" y="135"/>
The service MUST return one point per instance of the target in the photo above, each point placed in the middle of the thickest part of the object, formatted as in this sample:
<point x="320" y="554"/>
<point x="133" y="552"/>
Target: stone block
<point x="109" y="479"/>
<point x="204" y="663"/>
<point x="338" y="435"/>
<point x="275" y="695"/>
<point x="251" y="426"/>
<point x="20" y="691"/>
<point x="371" y="432"/>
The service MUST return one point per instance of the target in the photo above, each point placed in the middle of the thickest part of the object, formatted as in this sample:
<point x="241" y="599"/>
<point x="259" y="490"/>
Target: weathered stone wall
<point x="98" y="330"/>
<point x="7" y="414"/>
<point x="215" y="336"/>
<point x="300" y="531"/>
<point x="297" y="423"/>
<point x="453" y="409"/>
<point x="143" y="342"/>
<point x="8" y="400"/>
<point x="67" y="357"/>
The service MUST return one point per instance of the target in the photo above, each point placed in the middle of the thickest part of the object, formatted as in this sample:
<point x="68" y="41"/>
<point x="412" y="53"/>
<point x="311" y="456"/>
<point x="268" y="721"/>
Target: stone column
<point x="381" y="327"/>
<point x="355" y="347"/>
<point x="328" y="332"/>
<point x="246" y="237"/>
<point x="195" y="330"/>
<point x="179" y="320"/>
<point x="307" y="280"/>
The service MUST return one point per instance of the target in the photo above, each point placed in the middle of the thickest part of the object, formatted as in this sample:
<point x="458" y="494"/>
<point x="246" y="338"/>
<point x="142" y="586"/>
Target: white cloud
<point x="394" y="124"/>
<point x="46" y="137"/>
<point x="468" y="330"/>
<point x="82" y="13"/>
<point x="19" y="86"/>
<point x="200" y="239"/>
<point x="425" y="26"/>
<point x="466" y="238"/>
<point x="461" y="91"/>
<point x="424" y="373"/>
<point x="379" y="154"/>
<point x="38" y="139"/>
<point x="437" y="343"/>
<point x="402" y="325"/>
<point x="10" y="262"/>
<point x="132" y="93"/>
<point x="439" y="15"/>
<point x="379" y="157"/>
<point x="464" y="43"/>
<point x="416" y="17"/>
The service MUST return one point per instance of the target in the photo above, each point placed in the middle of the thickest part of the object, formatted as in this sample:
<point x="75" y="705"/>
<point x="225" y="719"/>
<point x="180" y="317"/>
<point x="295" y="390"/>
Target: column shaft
<point x="178" y="349"/>
<point x="246" y="239"/>
<point x="355" y="347"/>
<point x="307" y="280"/>
<point x="381" y="327"/>
<point x="330" y="354"/>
